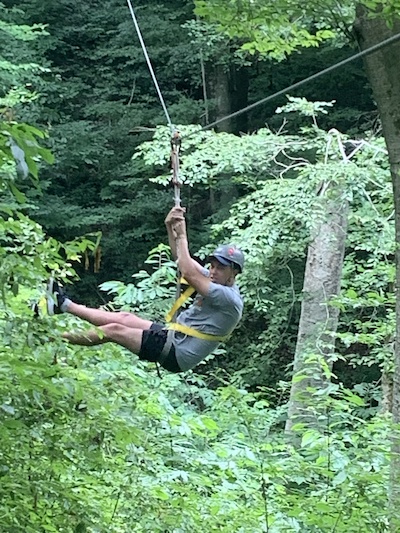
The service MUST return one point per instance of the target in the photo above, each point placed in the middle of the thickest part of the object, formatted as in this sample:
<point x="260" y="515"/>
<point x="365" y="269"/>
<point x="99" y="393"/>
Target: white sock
<point x="64" y="306"/>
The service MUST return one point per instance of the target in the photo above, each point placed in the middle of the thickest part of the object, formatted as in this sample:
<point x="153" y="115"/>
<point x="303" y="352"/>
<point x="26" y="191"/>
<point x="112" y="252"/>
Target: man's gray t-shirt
<point x="217" y="314"/>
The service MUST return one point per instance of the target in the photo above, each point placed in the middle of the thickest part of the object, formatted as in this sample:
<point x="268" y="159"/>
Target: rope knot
<point x="176" y="140"/>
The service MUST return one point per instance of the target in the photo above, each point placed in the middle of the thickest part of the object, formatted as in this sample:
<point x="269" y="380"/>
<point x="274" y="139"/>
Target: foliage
<point x="91" y="439"/>
<point x="27" y="254"/>
<point x="94" y="442"/>
<point x="369" y="270"/>
<point x="303" y="106"/>
<point x="276" y="30"/>
<point x="385" y="9"/>
<point x="279" y="30"/>
<point x="94" y="100"/>
<point x="19" y="67"/>
<point x="150" y="292"/>
<point x="98" y="103"/>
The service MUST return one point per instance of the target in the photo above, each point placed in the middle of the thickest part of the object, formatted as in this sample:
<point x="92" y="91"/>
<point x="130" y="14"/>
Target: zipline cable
<point x="367" y="51"/>
<point x="146" y="55"/>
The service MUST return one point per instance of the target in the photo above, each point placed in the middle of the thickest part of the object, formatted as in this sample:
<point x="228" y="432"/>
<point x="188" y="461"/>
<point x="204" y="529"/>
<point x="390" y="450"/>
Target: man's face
<point x="219" y="273"/>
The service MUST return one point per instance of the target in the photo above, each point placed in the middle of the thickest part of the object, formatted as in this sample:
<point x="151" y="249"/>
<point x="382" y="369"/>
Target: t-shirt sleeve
<point x="221" y="295"/>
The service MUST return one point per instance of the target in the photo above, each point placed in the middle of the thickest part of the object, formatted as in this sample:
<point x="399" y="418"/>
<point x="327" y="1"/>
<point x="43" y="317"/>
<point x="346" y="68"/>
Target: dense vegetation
<point x="93" y="440"/>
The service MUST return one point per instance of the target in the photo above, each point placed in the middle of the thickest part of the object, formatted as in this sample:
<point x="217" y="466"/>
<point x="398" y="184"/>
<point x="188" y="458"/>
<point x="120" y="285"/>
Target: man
<point x="214" y="313"/>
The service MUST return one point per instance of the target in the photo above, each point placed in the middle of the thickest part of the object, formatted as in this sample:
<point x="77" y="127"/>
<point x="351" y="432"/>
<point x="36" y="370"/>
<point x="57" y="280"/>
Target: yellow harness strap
<point x="179" y="302"/>
<point x="186" y="329"/>
<point x="196" y="333"/>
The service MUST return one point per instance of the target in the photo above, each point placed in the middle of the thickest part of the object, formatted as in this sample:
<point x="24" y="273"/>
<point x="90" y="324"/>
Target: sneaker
<point x="35" y="309"/>
<point x="55" y="297"/>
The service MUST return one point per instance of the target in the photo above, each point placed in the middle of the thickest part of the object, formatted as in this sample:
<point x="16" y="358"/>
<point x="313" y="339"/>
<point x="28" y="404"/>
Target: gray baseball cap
<point x="227" y="254"/>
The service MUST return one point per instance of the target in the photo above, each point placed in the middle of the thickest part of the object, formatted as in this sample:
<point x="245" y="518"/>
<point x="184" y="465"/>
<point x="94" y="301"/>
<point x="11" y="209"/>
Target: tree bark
<point x="387" y="393"/>
<point x="228" y="86"/>
<point x="318" y="319"/>
<point x="219" y="90"/>
<point x="384" y="76"/>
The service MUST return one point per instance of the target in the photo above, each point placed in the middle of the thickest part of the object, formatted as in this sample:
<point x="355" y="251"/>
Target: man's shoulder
<point x="225" y="293"/>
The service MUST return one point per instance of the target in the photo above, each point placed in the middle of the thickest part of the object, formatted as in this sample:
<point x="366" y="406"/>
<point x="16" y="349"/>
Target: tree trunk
<point x="219" y="91"/>
<point x="229" y="88"/>
<point x="387" y="393"/>
<point x="318" y="319"/>
<point x="239" y="86"/>
<point x="384" y="76"/>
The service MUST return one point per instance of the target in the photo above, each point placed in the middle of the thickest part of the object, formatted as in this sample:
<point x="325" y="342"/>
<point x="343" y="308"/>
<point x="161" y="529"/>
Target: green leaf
<point x="19" y="156"/>
<point x="339" y="478"/>
<point x="9" y="409"/>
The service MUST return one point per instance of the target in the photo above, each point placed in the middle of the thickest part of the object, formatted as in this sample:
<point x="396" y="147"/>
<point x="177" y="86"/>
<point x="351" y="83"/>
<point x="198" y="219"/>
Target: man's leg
<point x="128" y="337"/>
<point x="99" y="317"/>
<point x="58" y="302"/>
<point x="125" y="329"/>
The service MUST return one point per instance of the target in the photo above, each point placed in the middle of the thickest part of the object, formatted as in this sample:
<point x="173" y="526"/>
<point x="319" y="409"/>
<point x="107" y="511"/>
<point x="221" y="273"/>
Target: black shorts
<point x="153" y="341"/>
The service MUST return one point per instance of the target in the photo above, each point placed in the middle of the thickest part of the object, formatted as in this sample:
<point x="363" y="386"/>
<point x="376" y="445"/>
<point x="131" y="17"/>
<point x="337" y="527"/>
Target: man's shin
<point x="86" y="338"/>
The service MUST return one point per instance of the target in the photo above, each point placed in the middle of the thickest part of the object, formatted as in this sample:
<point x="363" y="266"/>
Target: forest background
<point x="93" y="440"/>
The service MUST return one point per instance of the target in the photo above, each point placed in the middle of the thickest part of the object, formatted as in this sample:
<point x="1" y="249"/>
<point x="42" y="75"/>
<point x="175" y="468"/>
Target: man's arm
<point x="173" y="216"/>
<point x="190" y="269"/>
<point x="176" y="215"/>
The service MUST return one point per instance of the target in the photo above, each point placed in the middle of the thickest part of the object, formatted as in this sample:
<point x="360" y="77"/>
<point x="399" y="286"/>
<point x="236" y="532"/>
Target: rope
<point x="175" y="148"/>
<point x="363" y="53"/>
<point x="146" y="55"/>
<point x="175" y="135"/>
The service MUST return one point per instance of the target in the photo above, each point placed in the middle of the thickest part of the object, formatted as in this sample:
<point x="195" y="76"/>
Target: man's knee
<point x="124" y="316"/>
<point x="114" y="330"/>
<point x="131" y="320"/>
<point x="125" y="336"/>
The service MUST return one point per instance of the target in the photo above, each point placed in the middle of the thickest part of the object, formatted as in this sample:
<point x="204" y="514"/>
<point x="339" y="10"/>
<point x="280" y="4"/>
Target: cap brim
<point x="222" y="260"/>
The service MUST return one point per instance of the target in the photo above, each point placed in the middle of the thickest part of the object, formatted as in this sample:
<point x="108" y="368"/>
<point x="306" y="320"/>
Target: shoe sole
<point x="35" y="309"/>
<point x="49" y="298"/>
